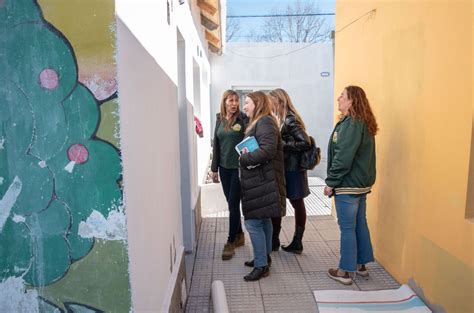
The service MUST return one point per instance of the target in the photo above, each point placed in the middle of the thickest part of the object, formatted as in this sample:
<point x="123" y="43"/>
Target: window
<point x="243" y="91"/>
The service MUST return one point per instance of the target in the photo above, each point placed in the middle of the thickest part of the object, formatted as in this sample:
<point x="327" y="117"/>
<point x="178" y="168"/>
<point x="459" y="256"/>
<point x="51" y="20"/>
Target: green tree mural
<point x="54" y="171"/>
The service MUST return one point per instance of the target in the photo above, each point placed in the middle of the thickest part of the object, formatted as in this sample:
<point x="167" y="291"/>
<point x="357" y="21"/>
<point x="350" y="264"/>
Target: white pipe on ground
<point x="219" y="300"/>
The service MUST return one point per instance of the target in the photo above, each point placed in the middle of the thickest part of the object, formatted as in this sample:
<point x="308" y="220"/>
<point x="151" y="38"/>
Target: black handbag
<point x="311" y="157"/>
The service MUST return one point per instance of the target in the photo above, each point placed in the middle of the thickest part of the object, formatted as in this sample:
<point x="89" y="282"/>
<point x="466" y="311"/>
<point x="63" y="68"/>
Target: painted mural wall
<point x="63" y="232"/>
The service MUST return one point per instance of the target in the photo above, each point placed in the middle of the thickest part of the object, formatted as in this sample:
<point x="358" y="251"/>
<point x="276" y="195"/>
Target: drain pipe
<point x="219" y="300"/>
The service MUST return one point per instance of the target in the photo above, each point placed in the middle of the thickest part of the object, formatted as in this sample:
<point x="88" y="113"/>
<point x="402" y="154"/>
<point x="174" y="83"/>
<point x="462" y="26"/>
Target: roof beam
<point x="207" y="7"/>
<point x="211" y="38"/>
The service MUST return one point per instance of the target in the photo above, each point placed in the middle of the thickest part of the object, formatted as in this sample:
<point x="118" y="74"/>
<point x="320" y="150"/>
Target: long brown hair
<point x="228" y="122"/>
<point x="263" y="107"/>
<point x="285" y="105"/>
<point x="360" y="108"/>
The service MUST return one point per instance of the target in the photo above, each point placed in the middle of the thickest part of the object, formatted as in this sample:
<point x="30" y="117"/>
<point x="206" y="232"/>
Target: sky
<point x="259" y="7"/>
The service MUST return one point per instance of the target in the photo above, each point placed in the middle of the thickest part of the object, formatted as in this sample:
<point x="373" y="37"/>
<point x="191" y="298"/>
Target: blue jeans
<point x="260" y="231"/>
<point x="356" y="247"/>
<point x="231" y="187"/>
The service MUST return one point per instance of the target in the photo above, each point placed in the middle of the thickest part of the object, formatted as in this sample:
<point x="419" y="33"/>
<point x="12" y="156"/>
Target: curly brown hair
<point x="360" y="108"/>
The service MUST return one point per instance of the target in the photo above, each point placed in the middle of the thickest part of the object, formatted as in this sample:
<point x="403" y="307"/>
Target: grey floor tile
<point x="334" y="245"/>
<point x="322" y="217"/>
<point x="283" y="262"/>
<point x="320" y="224"/>
<point x="244" y="252"/>
<point x="206" y="238"/>
<point x="240" y="252"/>
<point x="316" y="248"/>
<point x="205" y="251"/>
<point x="203" y="267"/>
<point x="245" y="304"/>
<point x="221" y="237"/>
<point x="233" y="266"/>
<point x="284" y="283"/>
<point x="293" y="278"/>
<point x="316" y="257"/>
<point x="201" y="286"/>
<point x="321" y="281"/>
<point x="378" y="279"/>
<point x="189" y="260"/>
<point x="235" y="285"/>
<point x="208" y="225"/>
<point x="312" y="235"/>
<point x="198" y="305"/>
<point x="330" y="234"/>
<point x="222" y="224"/>
<point x="288" y="222"/>
<point x="294" y="303"/>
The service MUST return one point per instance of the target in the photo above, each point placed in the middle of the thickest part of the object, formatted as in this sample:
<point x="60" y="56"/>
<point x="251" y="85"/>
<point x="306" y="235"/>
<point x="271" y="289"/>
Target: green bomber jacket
<point x="351" y="158"/>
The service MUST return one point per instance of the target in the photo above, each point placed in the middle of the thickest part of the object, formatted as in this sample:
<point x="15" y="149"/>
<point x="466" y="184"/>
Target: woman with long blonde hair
<point x="229" y="130"/>
<point x="262" y="180"/>
<point x="295" y="142"/>
<point x="350" y="176"/>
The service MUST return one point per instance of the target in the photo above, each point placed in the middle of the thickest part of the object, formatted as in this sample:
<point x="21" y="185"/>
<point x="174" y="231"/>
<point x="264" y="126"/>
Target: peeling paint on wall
<point x="19" y="299"/>
<point x="8" y="200"/>
<point x="111" y="228"/>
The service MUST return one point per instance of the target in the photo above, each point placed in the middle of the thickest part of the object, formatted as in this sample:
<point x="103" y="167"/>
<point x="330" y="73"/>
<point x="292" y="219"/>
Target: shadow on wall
<point x="470" y="182"/>
<point x="386" y="198"/>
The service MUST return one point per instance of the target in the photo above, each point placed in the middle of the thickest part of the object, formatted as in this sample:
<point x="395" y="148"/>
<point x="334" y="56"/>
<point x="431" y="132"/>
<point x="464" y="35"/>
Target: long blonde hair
<point x="285" y="105"/>
<point x="228" y="122"/>
<point x="263" y="107"/>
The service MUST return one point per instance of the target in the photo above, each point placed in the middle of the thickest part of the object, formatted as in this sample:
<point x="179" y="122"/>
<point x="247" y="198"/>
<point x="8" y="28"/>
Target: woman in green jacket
<point x="350" y="176"/>
<point x="229" y="131"/>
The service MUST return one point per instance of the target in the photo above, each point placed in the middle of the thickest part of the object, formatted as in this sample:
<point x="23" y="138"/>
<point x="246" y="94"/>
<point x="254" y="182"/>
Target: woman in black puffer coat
<point x="295" y="141"/>
<point x="262" y="181"/>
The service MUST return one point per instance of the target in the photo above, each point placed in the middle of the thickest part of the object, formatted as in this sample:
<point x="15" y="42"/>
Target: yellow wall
<point x="90" y="28"/>
<point x="414" y="60"/>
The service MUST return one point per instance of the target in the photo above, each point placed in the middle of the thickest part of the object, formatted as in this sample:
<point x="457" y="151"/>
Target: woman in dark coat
<point x="229" y="131"/>
<point x="262" y="181"/>
<point x="295" y="141"/>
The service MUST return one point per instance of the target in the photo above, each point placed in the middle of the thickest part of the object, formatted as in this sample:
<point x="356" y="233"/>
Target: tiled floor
<point x="293" y="278"/>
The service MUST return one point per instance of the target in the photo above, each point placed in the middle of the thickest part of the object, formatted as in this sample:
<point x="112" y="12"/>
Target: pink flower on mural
<point x="49" y="79"/>
<point x="77" y="154"/>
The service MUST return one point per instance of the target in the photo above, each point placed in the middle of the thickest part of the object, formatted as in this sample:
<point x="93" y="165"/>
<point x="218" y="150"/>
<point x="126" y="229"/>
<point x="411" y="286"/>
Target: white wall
<point x="153" y="204"/>
<point x="299" y="73"/>
<point x="150" y="140"/>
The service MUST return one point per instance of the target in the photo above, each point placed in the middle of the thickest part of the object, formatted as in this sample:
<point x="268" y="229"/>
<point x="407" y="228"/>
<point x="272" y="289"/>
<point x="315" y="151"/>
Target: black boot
<point x="276" y="238"/>
<point x="251" y="263"/>
<point x="296" y="246"/>
<point x="257" y="273"/>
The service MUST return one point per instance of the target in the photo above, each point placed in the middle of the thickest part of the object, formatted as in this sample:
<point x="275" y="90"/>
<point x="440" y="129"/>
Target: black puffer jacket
<point x="295" y="141"/>
<point x="263" y="187"/>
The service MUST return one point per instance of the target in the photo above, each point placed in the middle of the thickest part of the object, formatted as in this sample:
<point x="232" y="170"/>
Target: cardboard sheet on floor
<point x="401" y="300"/>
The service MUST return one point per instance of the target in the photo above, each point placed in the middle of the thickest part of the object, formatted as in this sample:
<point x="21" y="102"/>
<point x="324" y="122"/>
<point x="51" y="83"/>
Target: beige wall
<point x="414" y="60"/>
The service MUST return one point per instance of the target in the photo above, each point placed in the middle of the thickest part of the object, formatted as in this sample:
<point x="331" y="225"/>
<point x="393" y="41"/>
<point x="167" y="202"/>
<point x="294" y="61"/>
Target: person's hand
<point x="245" y="150"/>
<point x="215" y="177"/>
<point x="328" y="191"/>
